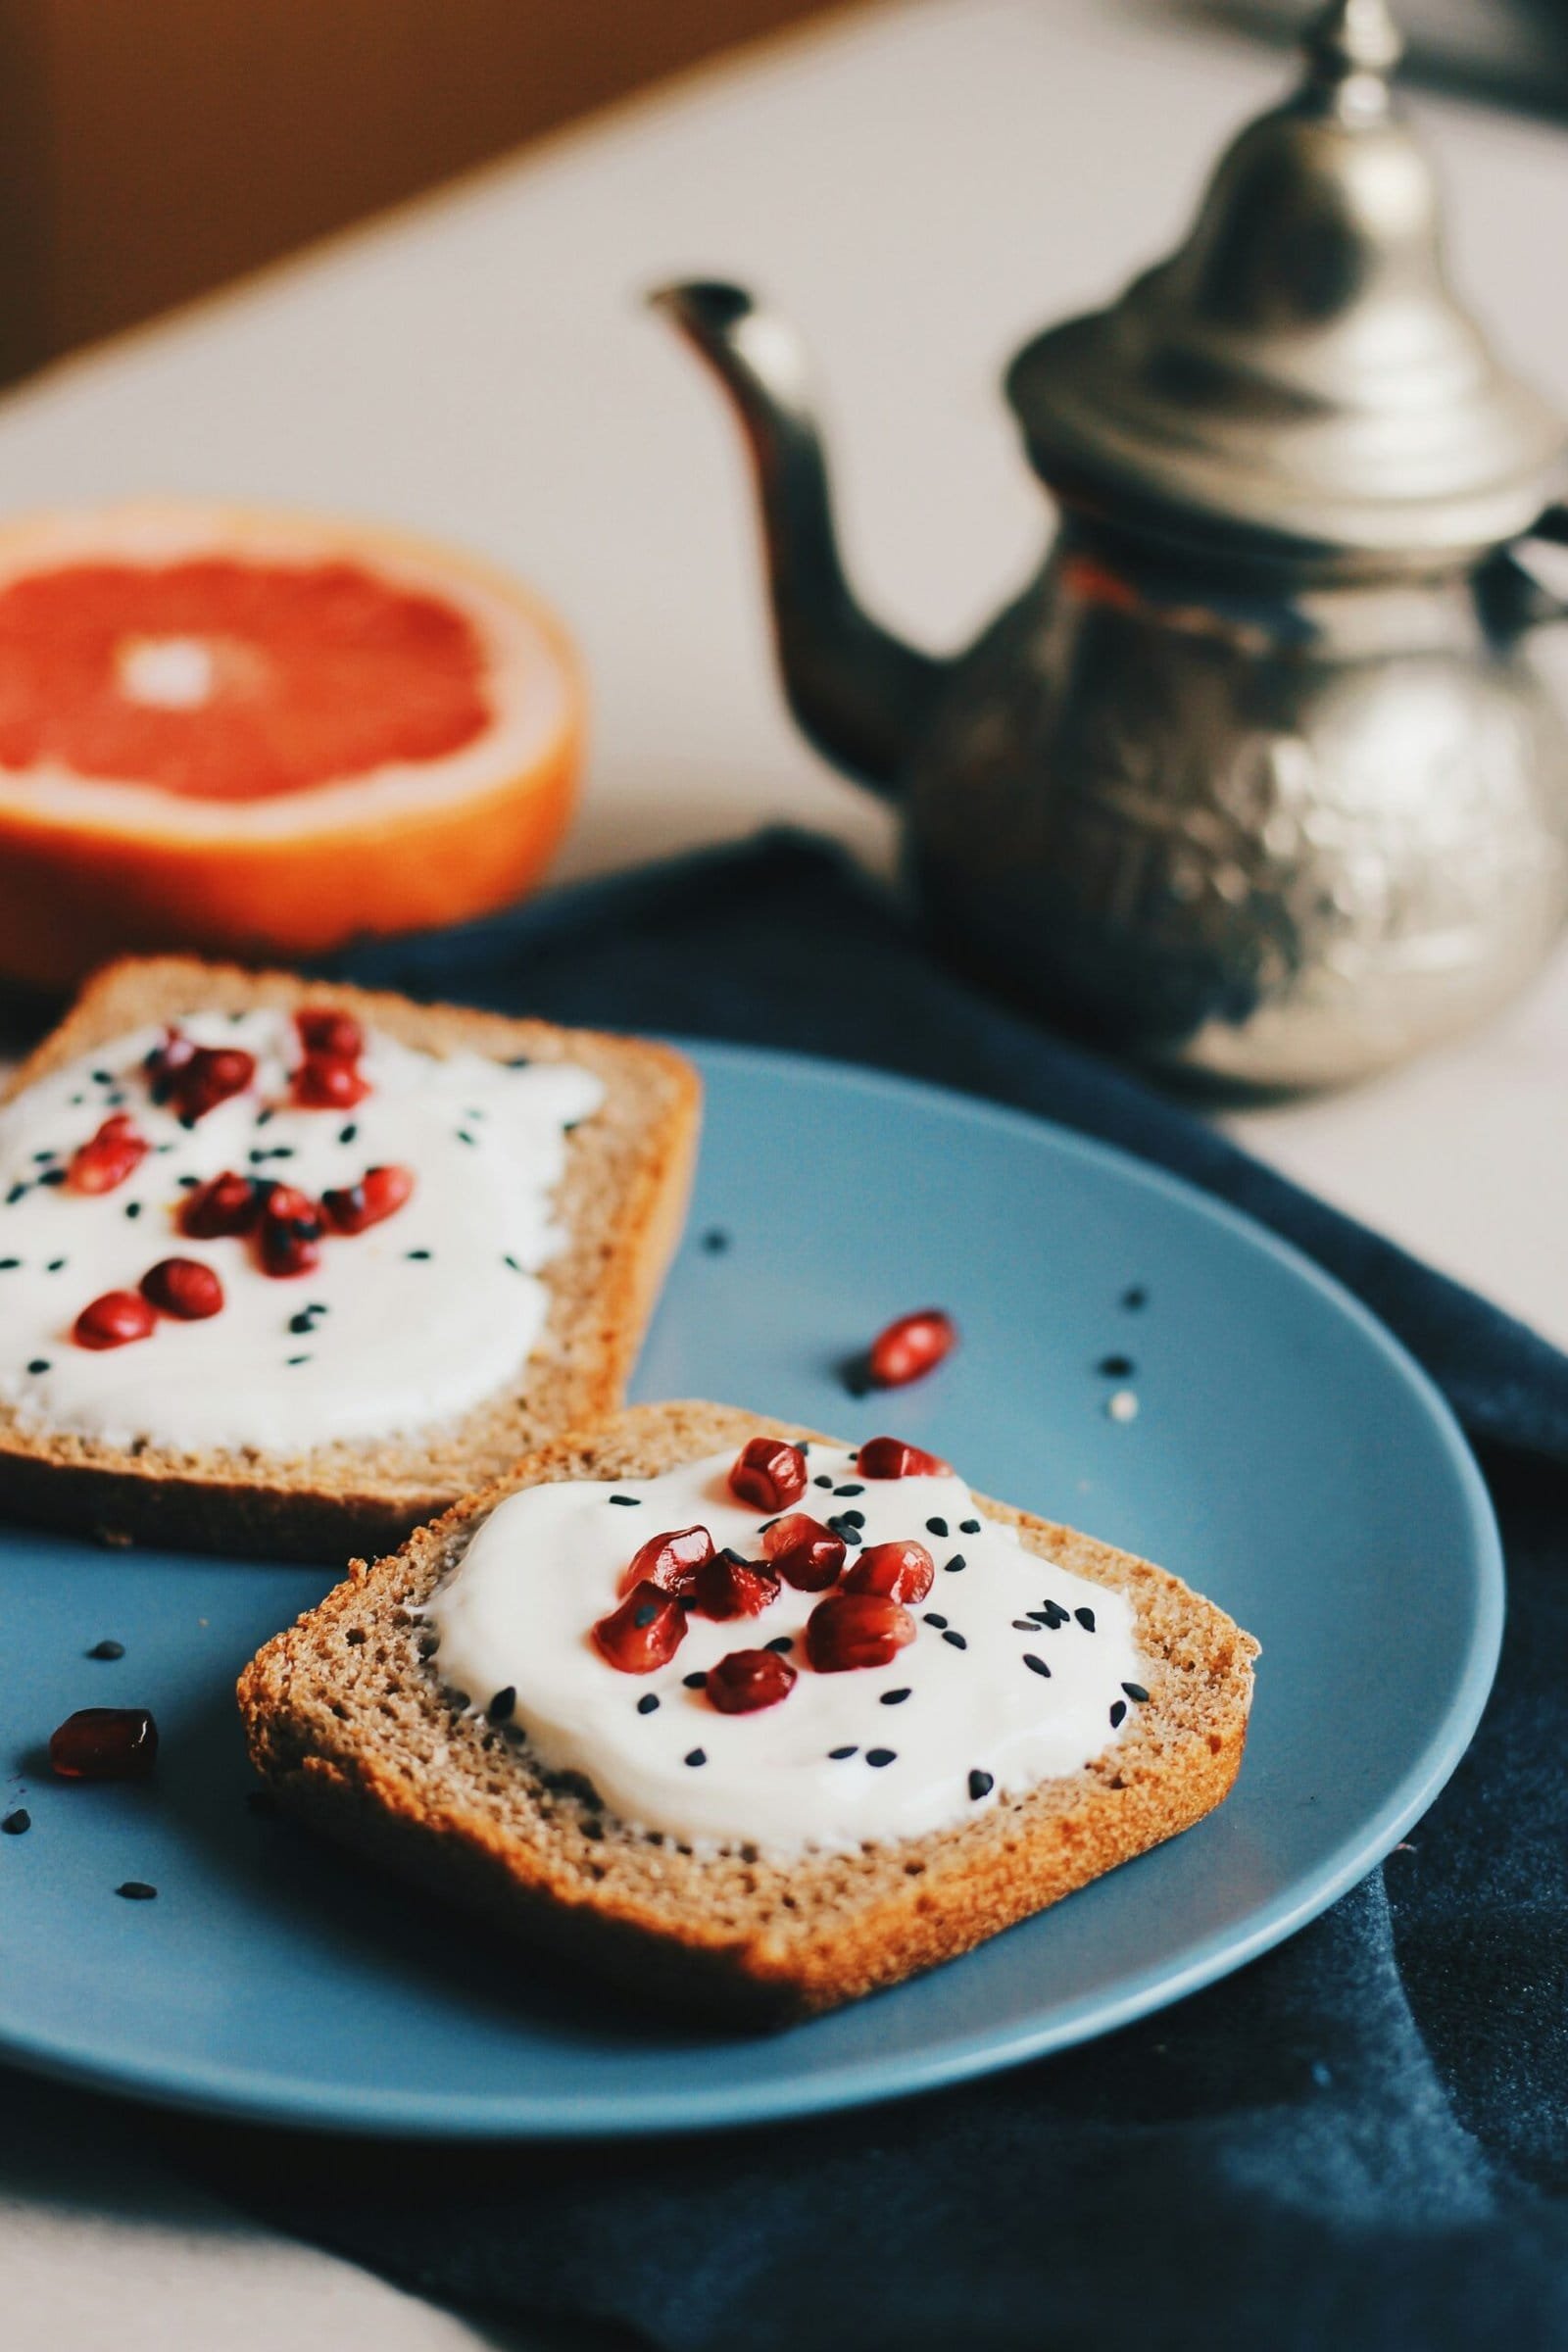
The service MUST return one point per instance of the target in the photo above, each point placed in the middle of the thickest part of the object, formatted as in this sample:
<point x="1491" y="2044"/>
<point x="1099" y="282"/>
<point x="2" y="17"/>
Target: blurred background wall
<point x="151" y="149"/>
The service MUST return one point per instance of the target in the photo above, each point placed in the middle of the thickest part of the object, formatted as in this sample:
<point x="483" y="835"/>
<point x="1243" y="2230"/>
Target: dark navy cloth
<point x="1358" y="2143"/>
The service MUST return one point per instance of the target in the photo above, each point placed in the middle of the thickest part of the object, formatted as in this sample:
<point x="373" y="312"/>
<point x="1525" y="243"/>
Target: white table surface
<point x="920" y="186"/>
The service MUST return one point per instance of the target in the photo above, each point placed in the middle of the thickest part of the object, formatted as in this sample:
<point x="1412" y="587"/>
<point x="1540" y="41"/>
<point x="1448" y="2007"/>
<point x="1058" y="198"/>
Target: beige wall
<point x="150" y="149"/>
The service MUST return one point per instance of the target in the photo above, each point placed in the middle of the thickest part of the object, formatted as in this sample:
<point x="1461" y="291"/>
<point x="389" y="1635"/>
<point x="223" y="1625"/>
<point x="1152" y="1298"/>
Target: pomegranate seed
<point x="109" y="1157"/>
<point x="183" y="1287"/>
<point x="671" y="1561"/>
<point x="748" y="1679"/>
<point x="211" y="1075"/>
<point x="289" y="1240"/>
<point x="228" y="1204"/>
<point x="903" y="1571"/>
<point x="911" y="1347"/>
<point x="165" y="1061"/>
<point x="104" y="1743"/>
<point x="770" y="1472"/>
<point x="856" y="1629"/>
<point x="322" y="1084"/>
<point x="889" y="1457"/>
<point x="644" y="1632"/>
<point x="378" y="1195"/>
<point x="114" y="1321"/>
<point x="805" y="1553"/>
<point x="730" y="1587"/>
<point x="331" y="1036"/>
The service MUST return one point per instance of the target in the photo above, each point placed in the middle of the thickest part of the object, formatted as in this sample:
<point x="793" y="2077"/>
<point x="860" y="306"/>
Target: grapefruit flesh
<point x="264" y="734"/>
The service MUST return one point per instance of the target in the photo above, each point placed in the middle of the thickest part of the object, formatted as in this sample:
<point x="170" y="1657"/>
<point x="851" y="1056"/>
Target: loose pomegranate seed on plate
<point x="768" y="1472"/>
<point x="379" y="1192"/>
<point x="671" y="1561"/>
<point x="731" y="1588"/>
<point x="805" y="1553"/>
<point x="644" y="1633"/>
<point x="109" y="1157"/>
<point x="211" y="1075"/>
<point x="114" y="1321"/>
<point x="889" y="1457"/>
<point x="183" y="1287"/>
<point x="911" y="1347"/>
<point x="334" y="1036"/>
<point x="857" y="1629"/>
<point x="289" y="1236"/>
<point x="748" y="1679"/>
<point x="322" y="1083"/>
<point x="903" y="1571"/>
<point x="104" y="1743"/>
<point x="228" y="1204"/>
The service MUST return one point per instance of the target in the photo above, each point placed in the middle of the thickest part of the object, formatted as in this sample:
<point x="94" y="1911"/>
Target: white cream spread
<point x="422" y="1317"/>
<point x="979" y="1723"/>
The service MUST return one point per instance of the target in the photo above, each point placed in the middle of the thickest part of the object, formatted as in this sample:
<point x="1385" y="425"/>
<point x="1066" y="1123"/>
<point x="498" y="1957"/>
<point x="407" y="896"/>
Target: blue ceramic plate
<point x="1286" y="1457"/>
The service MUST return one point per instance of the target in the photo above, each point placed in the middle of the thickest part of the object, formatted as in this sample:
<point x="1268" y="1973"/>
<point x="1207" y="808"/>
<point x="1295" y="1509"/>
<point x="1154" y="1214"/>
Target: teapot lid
<point x="1300" y="368"/>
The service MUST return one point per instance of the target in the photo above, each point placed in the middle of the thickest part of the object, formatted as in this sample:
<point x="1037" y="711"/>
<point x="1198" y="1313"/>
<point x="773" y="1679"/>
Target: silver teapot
<point x="1259" y="778"/>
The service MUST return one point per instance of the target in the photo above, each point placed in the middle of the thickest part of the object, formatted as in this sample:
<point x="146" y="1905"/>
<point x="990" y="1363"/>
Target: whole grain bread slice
<point x="622" y="1201"/>
<point x="348" y="1722"/>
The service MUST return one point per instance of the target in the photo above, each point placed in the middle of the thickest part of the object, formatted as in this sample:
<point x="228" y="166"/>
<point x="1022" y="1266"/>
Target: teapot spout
<point x="856" y="691"/>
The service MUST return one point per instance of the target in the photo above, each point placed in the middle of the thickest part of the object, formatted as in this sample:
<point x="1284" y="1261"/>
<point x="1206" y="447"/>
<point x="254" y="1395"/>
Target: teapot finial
<point x="1351" y="47"/>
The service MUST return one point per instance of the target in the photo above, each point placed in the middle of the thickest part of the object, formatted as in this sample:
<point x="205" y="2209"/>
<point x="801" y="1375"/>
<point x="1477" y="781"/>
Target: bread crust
<point x="639" y="1151"/>
<point x="448" y="1801"/>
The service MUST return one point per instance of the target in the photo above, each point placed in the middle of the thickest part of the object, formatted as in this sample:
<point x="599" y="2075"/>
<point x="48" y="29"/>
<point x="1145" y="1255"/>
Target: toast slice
<point x="350" y="1724"/>
<point x="620" y="1201"/>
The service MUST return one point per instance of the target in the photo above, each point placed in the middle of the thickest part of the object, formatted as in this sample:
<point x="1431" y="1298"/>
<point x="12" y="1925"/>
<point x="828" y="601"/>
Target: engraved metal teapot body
<point x="1261" y="776"/>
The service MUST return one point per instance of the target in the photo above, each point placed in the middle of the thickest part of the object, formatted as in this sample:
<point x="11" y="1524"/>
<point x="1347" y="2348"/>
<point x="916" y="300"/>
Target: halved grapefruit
<point x="264" y="733"/>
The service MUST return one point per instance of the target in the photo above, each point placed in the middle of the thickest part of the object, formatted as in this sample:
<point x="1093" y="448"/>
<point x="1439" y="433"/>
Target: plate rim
<point x="293" y="2102"/>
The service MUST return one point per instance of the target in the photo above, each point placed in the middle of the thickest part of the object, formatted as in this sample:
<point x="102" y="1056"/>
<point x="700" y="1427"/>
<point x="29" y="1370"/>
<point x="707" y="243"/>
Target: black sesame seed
<point x="346" y="1135"/>
<point x="316" y="1306"/>
<point x="932" y="1618"/>
<point x="782" y="1643"/>
<point x="188" y="1184"/>
<point x="18" y="1192"/>
<point x="296" y="1359"/>
<point x="116" y="1099"/>
<point x="696" y="1755"/>
<point x="954" y="1641"/>
<point x="1135" y="1299"/>
<point x="39" y="1363"/>
<point x="518" y="1062"/>
<point x="500" y="1706"/>
<point x="850" y="1534"/>
<point x="103" y="1077"/>
<point x="1049" y="1618"/>
<point x="187" y="1120"/>
<point x="936" y="1527"/>
<point x="1118" y="1714"/>
<point x="1136" y="1690"/>
<point x="980" y="1784"/>
<point x="1086" y="1618"/>
<point x="56" y="1265"/>
<point x="1021" y="1624"/>
<point x="45" y="1158"/>
<point x="848" y="1490"/>
<point x="715" y="1241"/>
<point x="1033" y="1664"/>
<point x="881" y="1755"/>
<point x="836" y="1755"/>
<point x="894" y="1698"/>
<point x="694" y="1682"/>
<point x="509" y="1260"/>
<point x="107" y="1649"/>
<point x="53" y="1176"/>
<point x="263" y="1119"/>
<point x="628" y="1502"/>
<point x="821" y="1480"/>
<point x="133" y="1208"/>
<point x="952" y="1566"/>
<point x="256" y="1157"/>
<point x="136" y="1891"/>
<point x="851" y="1518"/>
<point x="648" y="1703"/>
<point x="968" y="1527"/>
<point x="464" y="1137"/>
<point x="16" y="1824"/>
<point x="7" y="1264"/>
<point x="303" y="1323"/>
<point x="421" y="1253"/>
<point x="1115" y="1367"/>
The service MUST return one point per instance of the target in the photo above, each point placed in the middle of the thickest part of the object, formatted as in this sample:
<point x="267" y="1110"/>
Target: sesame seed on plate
<point x="981" y="1784"/>
<point x="628" y="1502"/>
<point x="1117" y="1714"/>
<point x="136" y="1891"/>
<point x="968" y="1527"/>
<point x="952" y="1566"/>
<point x="1136" y="1690"/>
<point x="16" y="1824"/>
<point x="1033" y="1664"/>
<point x="715" y="1241"/>
<point x="881" y="1755"/>
<point x="696" y="1755"/>
<point x="39" y="1363"/>
<point x="695" y="1682"/>
<point x="936" y="1527"/>
<point x="500" y="1706"/>
<point x="107" y="1649"/>
<point x="836" y="1755"/>
<point x="954" y="1641"/>
<point x="782" y="1643"/>
<point x="894" y="1698"/>
<point x="1086" y="1618"/>
<point x="941" y="1623"/>
<point x="648" y="1703"/>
